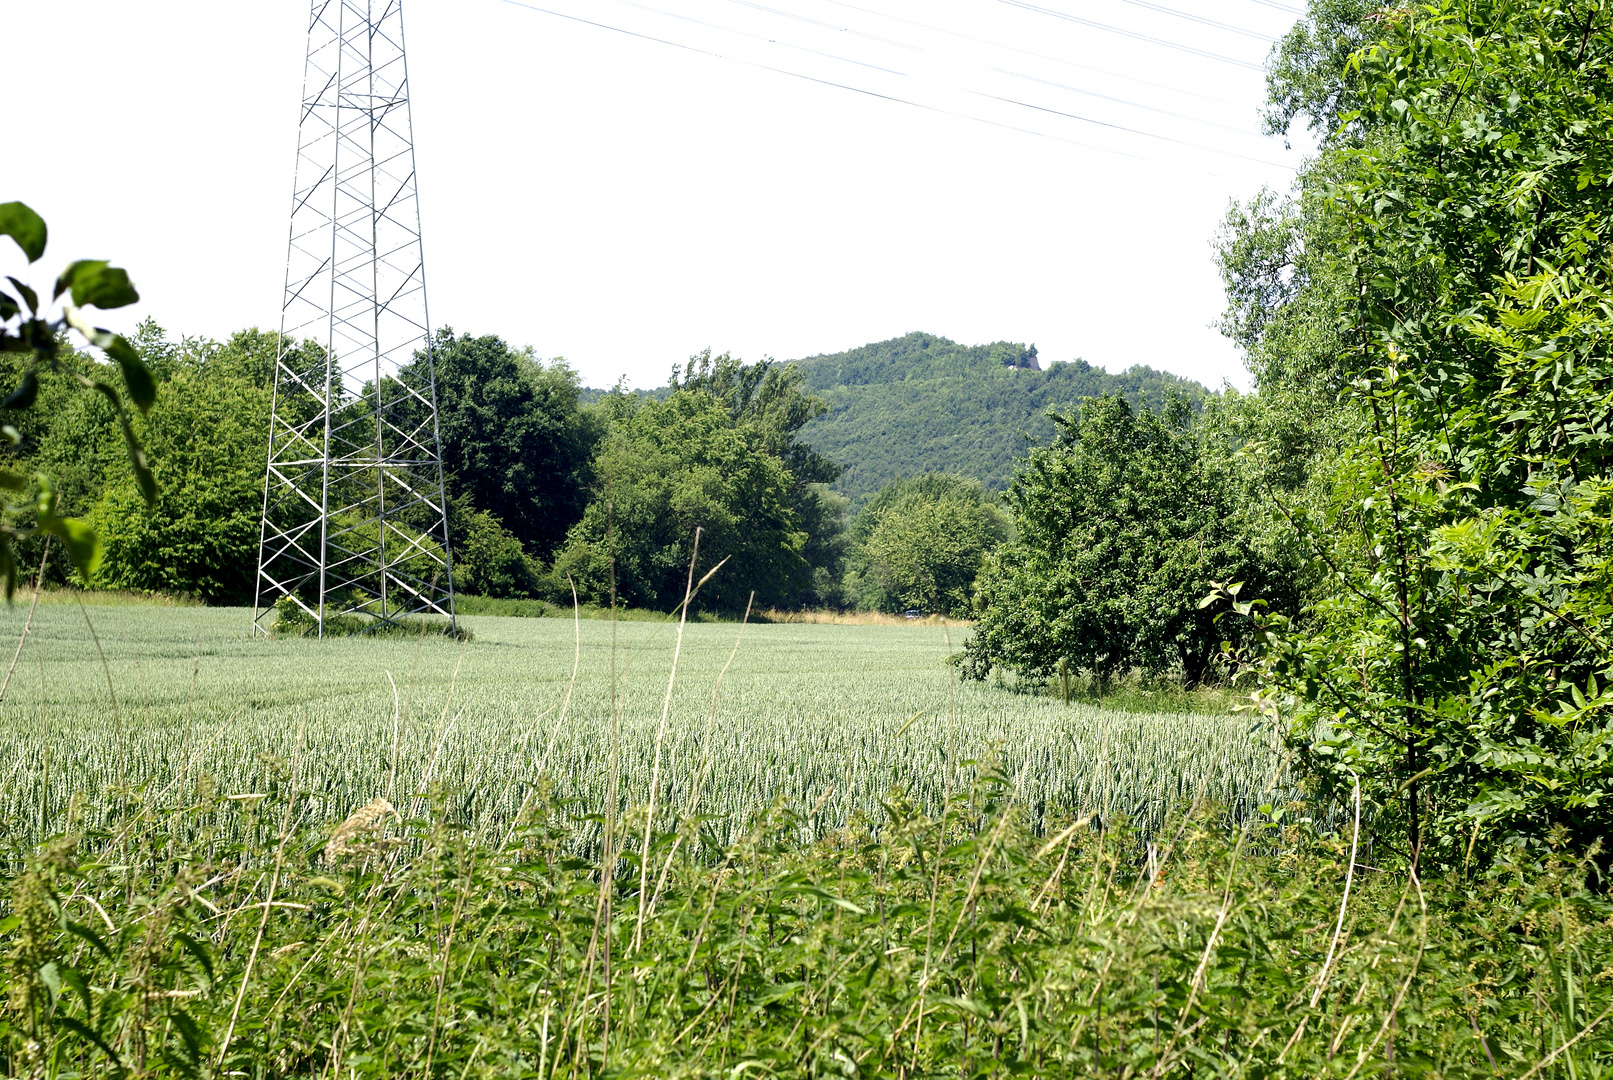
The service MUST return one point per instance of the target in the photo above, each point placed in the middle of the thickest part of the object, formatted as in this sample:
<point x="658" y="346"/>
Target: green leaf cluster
<point x="489" y="560"/>
<point x="665" y="469"/>
<point x="208" y="440"/>
<point x="34" y="342"/>
<point x="516" y="442"/>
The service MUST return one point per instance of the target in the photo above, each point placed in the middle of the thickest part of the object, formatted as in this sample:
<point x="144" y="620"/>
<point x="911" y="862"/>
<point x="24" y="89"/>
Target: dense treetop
<point x="669" y="468"/>
<point x="514" y="440"/>
<point x="918" y="544"/>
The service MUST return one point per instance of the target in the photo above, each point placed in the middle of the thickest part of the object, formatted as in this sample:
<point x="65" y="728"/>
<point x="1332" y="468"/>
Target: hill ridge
<point x="924" y="403"/>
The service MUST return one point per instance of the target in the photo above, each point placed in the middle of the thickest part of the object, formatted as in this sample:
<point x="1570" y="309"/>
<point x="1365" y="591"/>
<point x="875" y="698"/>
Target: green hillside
<point x="921" y="403"/>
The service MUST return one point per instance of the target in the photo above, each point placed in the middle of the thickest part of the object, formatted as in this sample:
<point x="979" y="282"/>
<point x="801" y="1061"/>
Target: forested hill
<point x="921" y="403"/>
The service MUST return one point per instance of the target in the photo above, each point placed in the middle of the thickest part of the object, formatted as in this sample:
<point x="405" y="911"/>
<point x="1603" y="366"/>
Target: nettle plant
<point x="27" y="328"/>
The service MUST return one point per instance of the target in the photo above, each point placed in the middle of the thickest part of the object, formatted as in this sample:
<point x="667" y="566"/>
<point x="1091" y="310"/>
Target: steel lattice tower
<point x="354" y="509"/>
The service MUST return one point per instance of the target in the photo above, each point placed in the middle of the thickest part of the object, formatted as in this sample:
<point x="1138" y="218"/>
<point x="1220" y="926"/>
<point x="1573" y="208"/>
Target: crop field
<point x="826" y="719"/>
<point x="200" y="912"/>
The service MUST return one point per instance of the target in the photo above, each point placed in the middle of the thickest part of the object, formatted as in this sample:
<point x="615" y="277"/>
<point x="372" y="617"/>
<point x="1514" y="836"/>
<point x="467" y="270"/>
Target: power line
<point x="1037" y="55"/>
<point x="1015" y="74"/>
<point x="889" y="97"/>
<point x="744" y="34"/>
<point x="1133" y="131"/>
<point x="1280" y="7"/>
<point x="826" y="26"/>
<point x="822" y="82"/>
<point x="1163" y="10"/>
<point x="1123" y="101"/>
<point x="1093" y="93"/>
<point x="1094" y="24"/>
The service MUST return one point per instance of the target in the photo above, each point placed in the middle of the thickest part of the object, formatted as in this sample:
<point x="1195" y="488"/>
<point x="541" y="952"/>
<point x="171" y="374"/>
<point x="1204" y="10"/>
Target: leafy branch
<point x="28" y="327"/>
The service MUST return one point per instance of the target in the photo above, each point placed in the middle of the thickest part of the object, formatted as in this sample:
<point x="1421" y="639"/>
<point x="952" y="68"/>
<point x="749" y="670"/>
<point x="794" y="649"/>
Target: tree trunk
<point x="1194" y="664"/>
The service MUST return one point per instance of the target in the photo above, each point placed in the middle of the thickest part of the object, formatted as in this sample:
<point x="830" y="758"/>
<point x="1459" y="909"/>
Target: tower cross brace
<point x="355" y="512"/>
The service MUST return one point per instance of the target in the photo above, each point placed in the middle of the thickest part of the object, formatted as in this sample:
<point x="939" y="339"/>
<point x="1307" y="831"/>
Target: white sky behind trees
<point x="626" y="202"/>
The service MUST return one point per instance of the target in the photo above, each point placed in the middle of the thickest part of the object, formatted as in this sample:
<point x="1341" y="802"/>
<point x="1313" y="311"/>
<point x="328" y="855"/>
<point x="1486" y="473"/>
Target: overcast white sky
<point x="625" y="202"/>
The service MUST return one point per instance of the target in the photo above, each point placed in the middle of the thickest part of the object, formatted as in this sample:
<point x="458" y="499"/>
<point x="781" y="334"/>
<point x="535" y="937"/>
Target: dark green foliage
<point x="1459" y="657"/>
<point x="211" y="935"/>
<point x="488" y="560"/>
<point x="919" y="543"/>
<point x="515" y="440"/>
<point x="466" y="603"/>
<point x="207" y="435"/>
<point x="772" y="401"/>
<point x="666" y="469"/>
<point x="822" y="515"/>
<point x="921" y="403"/>
<point x="22" y="224"/>
<point x="1122" y="524"/>
<point x="292" y="620"/>
<point x="208" y="439"/>
<point x="71" y="437"/>
<point x="717" y="451"/>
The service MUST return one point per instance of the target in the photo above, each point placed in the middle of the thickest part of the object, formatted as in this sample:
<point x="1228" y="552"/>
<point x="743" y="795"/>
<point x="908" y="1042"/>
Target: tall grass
<point x="962" y="945"/>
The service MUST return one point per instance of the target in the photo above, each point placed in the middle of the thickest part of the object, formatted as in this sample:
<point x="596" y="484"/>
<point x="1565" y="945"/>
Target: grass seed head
<point x="358" y="835"/>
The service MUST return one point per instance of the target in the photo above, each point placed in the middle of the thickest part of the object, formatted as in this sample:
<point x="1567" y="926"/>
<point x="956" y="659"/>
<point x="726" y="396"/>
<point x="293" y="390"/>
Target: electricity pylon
<point x="355" y="518"/>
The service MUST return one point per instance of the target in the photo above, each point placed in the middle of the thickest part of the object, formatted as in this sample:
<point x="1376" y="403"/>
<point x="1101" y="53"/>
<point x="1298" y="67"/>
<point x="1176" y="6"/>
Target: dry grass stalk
<point x="358" y="835"/>
<point x="29" y="625"/>
<point x="857" y="618"/>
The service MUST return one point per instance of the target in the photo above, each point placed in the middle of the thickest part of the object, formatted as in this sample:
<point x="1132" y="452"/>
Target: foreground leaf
<point x="18" y="221"/>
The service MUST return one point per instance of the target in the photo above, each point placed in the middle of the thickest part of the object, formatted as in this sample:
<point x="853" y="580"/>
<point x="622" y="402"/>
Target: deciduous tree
<point x="919" y="543"/>
<point x="666" y="469"/>
<point x="515" y="440"/>
<point x="1122" y="524"/>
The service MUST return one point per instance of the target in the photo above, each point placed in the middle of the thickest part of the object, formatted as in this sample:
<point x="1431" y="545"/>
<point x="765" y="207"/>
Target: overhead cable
<point x="1124" y="101"/>
<point x="1133" y="131"/>
<point x="1163" y="10"/>
<point x="1281" y="7"/>
<point x="891" y="71"/>
<point x="893" y="98"/>
<point x="1031" y="52"/>
<point x="744" y="34"/>
<point x="1017" y="75"/>
<point x="821" y="82"/>
<point x="1094" y="24"/>
<point x="826" y="26"/>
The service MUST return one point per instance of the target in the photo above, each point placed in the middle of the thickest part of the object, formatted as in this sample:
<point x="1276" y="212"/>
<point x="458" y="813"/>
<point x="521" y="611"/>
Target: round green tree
<point x="920" y="542"/>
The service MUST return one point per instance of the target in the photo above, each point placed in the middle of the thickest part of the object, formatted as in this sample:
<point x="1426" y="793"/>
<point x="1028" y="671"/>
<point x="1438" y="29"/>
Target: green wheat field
<point x="827" y="720"/>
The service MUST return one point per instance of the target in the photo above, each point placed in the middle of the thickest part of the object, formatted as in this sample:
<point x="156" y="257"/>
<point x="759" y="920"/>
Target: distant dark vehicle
<point x="913" y="613"/>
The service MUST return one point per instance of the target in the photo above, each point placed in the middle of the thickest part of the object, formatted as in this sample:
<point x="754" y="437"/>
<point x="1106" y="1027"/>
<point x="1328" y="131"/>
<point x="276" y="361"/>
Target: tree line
<point x="551" y="495"/>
